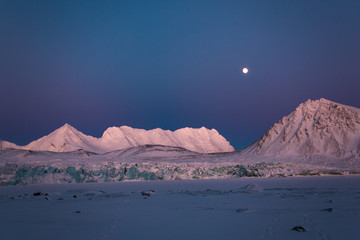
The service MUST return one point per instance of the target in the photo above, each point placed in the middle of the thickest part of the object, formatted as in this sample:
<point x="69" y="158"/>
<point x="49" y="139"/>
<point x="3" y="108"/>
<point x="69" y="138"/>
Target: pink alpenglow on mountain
<point x="67" y="138"/>
<point x="315" y="127"/>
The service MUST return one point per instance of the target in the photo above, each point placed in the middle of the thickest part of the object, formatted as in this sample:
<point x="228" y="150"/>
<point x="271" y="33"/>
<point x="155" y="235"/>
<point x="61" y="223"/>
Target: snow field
<point x="250" y="208"/>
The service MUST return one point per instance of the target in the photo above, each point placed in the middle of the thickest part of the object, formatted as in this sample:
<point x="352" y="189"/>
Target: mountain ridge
<point x="67" y="139"/>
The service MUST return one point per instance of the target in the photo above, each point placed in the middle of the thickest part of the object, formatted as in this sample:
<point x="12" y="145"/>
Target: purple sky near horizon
<point x="172" y="64"/>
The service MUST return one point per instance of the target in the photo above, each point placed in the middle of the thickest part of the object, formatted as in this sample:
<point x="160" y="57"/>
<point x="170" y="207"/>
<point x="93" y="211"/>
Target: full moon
<point x="245" y="70"/>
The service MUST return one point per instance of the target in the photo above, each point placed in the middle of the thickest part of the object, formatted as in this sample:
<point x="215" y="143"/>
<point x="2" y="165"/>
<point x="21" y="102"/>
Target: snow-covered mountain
<point x="7" y="145"/>
<point x="64" y="139"/>
<point x="319" y="137"/>
<point x="67" y="138"/>
<point x="315" y="127"/>
<point x="200" y="140"/>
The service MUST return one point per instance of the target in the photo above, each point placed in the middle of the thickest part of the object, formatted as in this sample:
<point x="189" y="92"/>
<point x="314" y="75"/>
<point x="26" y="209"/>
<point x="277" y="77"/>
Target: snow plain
<point x="327" y="207"/>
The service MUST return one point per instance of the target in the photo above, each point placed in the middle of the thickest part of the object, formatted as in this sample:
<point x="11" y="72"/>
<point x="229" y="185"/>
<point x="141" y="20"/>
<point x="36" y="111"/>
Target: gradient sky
<point x="172" y="64"/>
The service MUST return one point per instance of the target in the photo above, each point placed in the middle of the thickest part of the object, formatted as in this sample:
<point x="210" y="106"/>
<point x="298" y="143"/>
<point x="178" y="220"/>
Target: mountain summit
<point x="63" y="139"/>
<point x="315" y="127"/>
<point x="67" y="138"/>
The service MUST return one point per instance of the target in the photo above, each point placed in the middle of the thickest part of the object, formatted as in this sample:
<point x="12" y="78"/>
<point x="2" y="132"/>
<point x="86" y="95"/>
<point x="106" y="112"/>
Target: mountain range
<point x="67" y="139"/>
<point x="319" y="137"/>
<point x="315" y="127"/>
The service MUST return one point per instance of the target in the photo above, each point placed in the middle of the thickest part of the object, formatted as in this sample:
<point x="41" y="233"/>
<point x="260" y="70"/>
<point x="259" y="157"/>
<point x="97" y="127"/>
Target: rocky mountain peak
<point x="315" y="127"/>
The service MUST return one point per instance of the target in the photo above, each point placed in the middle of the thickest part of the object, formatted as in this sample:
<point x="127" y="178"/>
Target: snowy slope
<point x="64" y="139"/>
<point x="8" y="145"/>
<point x="67" y="138"/>
<point x="150" y="152"/>
<point x="315" y="127"/>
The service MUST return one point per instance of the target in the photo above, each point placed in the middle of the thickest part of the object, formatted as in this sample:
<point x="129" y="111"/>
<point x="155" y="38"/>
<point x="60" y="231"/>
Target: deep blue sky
<point x="172" y="64"/>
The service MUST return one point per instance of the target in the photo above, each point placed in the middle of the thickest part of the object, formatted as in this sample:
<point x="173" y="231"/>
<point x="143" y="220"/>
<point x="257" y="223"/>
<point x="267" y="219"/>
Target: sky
<point x="172" y="64"/>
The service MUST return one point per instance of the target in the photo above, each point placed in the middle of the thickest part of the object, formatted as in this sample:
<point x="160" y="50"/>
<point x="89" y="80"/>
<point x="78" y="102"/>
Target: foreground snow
<point x="326" y="207"/>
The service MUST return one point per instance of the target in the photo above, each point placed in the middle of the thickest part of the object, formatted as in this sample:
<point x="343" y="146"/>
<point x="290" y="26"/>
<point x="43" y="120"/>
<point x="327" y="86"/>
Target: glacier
<point x="14" y="174"/>
<point x="155" y="162"/>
